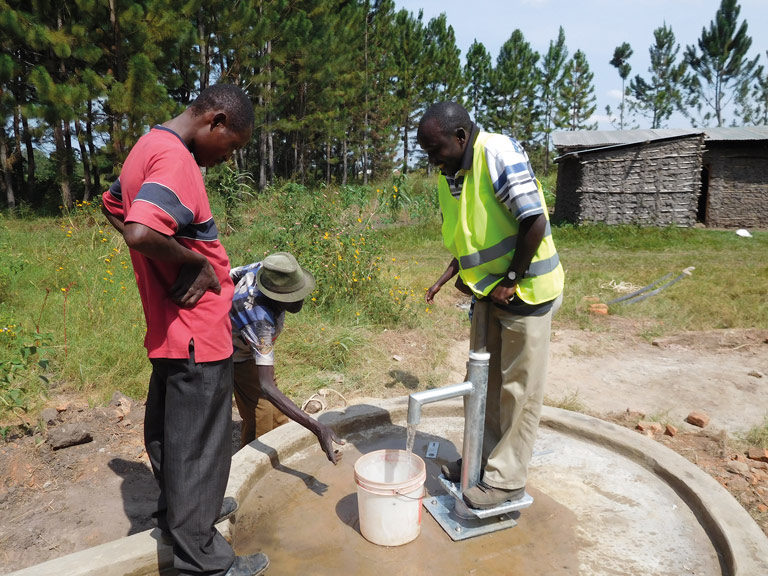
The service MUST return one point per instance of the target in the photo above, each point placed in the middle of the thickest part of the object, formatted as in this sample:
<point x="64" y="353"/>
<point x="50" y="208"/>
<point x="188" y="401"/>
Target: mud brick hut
<point x="678" y="177"/>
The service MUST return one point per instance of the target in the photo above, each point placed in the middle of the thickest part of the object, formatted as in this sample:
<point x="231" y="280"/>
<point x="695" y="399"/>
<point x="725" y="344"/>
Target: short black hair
<point x="449" y="116"/>
<point x="232" y="100"/>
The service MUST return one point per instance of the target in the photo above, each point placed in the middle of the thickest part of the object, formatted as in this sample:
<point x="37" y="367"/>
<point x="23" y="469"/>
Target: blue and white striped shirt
<point x="510" y="170"/>
<point x="255" y="326"/>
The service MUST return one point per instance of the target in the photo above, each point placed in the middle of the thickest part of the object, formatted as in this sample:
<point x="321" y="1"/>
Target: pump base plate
<point x="462" y="522"/>
<point x="441" y="509"/>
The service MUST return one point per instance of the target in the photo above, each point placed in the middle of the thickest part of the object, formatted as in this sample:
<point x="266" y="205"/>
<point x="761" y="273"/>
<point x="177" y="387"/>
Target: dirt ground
<point x="57" y="501"/>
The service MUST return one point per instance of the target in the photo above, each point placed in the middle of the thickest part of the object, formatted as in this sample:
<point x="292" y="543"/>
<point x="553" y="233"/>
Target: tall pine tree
<point x="410" y="70"/>
<point x="665" y="92"/>
<point x="477" y="78"/>
<point x="515" y="108"/>
<point x="380" y="103"/>
<point x="720" y="62"/>
<point x="578" y="101"/>
<point x="752" y="99"/>
<point x="552" y="70"/>
<point x="620" y="61"/>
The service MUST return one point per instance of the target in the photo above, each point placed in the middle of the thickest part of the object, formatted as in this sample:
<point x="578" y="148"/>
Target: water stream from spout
<point x="410" y="439"/>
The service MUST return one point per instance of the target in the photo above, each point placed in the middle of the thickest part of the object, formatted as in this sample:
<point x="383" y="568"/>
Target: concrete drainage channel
<point x="635" y="505"/>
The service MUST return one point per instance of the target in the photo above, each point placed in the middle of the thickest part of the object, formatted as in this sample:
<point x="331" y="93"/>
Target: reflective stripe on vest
<point x="481" y="233"/>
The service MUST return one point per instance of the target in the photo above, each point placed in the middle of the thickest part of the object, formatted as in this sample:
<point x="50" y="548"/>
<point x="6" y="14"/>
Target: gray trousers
<point x="188" y="437"/>
<point x="519" y="349"/>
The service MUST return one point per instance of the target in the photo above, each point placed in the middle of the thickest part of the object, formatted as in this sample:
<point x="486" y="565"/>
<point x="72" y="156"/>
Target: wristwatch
<point x="512" y="275"/>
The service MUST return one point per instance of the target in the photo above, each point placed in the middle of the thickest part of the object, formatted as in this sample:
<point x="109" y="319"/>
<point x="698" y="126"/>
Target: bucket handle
<point x="423" y="494"/>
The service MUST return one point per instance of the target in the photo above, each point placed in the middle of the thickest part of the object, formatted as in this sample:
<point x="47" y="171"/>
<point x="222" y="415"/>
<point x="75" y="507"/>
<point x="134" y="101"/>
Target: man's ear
<point x="219" y="118"/>
<point x="461" y="134"/>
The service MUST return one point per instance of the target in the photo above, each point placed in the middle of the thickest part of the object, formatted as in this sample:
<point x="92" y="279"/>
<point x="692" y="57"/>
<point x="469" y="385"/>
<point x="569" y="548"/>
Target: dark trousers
<point x="188" y="437"/>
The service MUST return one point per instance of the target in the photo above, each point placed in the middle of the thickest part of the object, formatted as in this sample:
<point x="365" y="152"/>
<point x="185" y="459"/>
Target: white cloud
<point x="601" y="119"/>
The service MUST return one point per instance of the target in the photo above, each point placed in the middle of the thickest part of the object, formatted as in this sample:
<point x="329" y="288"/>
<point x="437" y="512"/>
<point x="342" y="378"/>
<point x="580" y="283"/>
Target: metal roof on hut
<point x="589" y="139"/>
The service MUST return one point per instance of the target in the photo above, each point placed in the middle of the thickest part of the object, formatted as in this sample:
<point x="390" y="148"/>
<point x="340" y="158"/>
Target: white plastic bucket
<point x="390" y="487"/>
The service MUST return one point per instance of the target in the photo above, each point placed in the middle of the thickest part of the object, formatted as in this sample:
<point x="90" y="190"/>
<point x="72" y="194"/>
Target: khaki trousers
<point x="259" y="414"/>
<point x="519" y="349"/>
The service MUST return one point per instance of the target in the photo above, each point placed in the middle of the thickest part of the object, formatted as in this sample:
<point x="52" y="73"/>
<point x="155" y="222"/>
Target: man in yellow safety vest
<point x="496" y="226"/>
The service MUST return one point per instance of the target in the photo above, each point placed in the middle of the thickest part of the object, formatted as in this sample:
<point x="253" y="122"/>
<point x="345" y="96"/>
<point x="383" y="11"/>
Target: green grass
<point x="67" y="286"/>
<point x="71" y="319"/>
<point x="569" y="401"/>
<point x="758" y="435"/>
<point x="726" y="289"/>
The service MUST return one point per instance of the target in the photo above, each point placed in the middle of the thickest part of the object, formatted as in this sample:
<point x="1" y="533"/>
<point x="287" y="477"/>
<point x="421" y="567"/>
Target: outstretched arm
<point x="325" y="435"/>
<point x="450" y="272"/>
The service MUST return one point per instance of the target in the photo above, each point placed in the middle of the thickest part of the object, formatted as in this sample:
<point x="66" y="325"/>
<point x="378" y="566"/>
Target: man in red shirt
<point x="160" y="205"/>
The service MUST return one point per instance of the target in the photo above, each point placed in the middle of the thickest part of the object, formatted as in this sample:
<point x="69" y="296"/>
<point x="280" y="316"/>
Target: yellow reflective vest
<point x="481" y="233"/>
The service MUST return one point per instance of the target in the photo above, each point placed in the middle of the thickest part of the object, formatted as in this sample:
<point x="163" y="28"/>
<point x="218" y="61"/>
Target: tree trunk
<point x="328" y="161"/>
<point x="621" y="106"/>
<point x="115" y="135"/>
<point x="87" y="185"/>
<point x="117" y="143"/>
<point x="7" y="180"/>
<point x="294" y="169"/>
<point x="344" y="162"/>
<point x="271" y="156"/>
<point x="718" y="102"/>
<point x="300" y="133"/>
<point x="69" y="159"/>
<point x="268" y="118"/>
<point x="204" y="74"/>
<point x="405" y="144"/>
<point x="32" y="195"/>
<point x="91" y="148"/>
<point x="61" y="165"/>
<point x="262" y="159"/>
<point x="17" y="158"/>
<point x="365" y="100"/>
<point x="302" y="169"/>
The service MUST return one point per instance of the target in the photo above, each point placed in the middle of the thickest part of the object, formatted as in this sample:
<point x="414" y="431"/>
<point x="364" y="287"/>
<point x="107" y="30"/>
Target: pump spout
<point x="418" y="399"/>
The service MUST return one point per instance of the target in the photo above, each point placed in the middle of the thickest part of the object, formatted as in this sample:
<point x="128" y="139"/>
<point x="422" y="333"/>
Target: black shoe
<point x="228" y="507"/>
<point x="251" y="565"/>
<point x="482" y="497"/>
<point x="452" y="471"/>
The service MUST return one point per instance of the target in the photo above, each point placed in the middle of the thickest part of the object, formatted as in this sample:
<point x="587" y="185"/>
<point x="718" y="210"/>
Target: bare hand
<point x="327" y="438"/>
<point x="193" y="282"/>
<point x="434" y="289"/>
<point x="502" y="294"/>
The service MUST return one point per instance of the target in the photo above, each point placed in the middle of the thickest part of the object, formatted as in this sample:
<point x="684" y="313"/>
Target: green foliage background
<point x="71" y="319"/>
<point x="337" y="87"/>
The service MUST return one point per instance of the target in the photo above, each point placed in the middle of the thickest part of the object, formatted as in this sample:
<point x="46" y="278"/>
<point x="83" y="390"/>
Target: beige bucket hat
<point x="282" y="279"/>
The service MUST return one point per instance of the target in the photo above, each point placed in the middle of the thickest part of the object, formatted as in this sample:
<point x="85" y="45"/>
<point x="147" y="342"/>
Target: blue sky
<point x="595" y="27"/>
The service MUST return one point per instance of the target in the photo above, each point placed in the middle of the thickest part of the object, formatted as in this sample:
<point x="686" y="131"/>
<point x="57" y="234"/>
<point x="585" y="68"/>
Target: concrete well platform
<point x="607" y="501"/>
